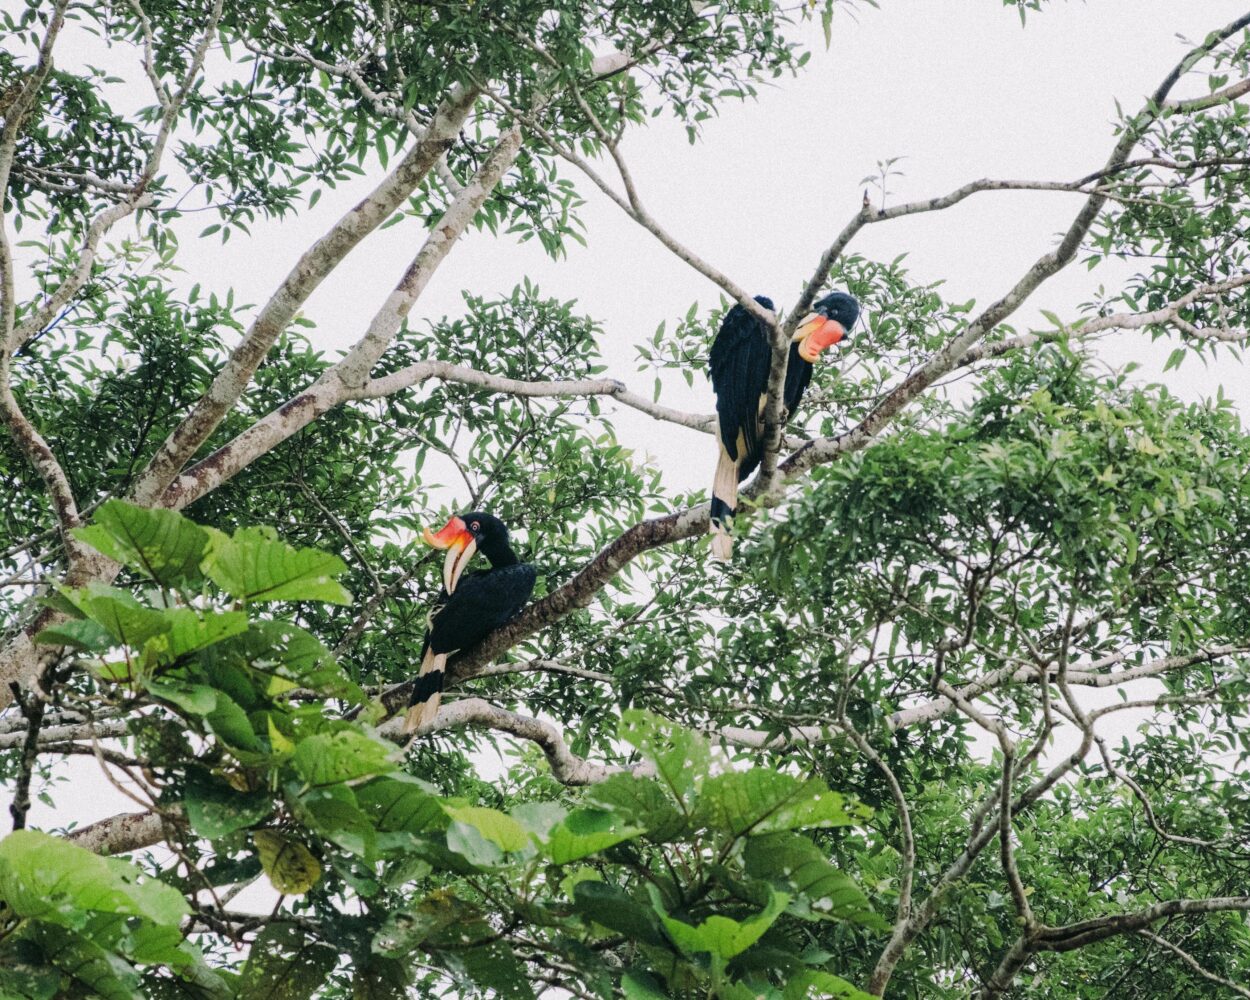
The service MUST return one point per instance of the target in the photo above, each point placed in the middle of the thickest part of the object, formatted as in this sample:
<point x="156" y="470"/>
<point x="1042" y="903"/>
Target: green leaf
<point x="638" y="985"/>
<point x="334" y="815"/>
<point x="641" y="802"/>
<point x="496" y="969"/>
<point x="284" y="965"/>
<point x="24" y="973"/>
<point x="721" y="937"/>
<point x="680" y="756"/>
<point x="191" y="630"/>
<point x="498" y="828"/>
<point x="376" y="977"/>
<point x="255" y="565"/>
<point x="584" y="832"/>
<point x="214" y="809"/>
<point x="162" y="544"/>
<point x="194" y="699"/>
<point x="616" y="910"/>
<point x="818" y="983"/>
<point x="762" y="800"/>
<point x="347" y="755"/>
<point x="52" y="879"/>
<point x="124" y="618"/>
<point x="232" y="726"/>
<point x="80" y="633"/>
<point x="288" y="656"/>
<point x="400" y="803"/>
<point x="818" y="889"/>
<point x="291" y="867"/>
<point x="91" y="970"/>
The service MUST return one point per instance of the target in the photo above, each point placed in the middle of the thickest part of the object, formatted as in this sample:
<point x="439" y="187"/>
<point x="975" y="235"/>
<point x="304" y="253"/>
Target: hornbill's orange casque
<point x="739" y="364"/>
<point x="468" y="608"/>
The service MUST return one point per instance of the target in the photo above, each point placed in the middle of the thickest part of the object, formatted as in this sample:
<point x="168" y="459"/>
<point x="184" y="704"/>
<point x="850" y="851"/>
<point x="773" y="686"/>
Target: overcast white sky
<point x="956" y="87"/>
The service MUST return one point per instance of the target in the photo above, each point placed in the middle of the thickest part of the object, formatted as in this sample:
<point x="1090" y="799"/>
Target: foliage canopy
<point x="874" y="756"/>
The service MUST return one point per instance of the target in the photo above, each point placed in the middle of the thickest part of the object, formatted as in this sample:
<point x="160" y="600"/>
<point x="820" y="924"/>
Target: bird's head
<point x="462" y="536"/>
<point x="828" y="323"/>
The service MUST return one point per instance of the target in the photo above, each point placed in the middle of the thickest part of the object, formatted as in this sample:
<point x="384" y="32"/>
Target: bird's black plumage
<point x="482" y="601"/>
<point x="739" y="365"/>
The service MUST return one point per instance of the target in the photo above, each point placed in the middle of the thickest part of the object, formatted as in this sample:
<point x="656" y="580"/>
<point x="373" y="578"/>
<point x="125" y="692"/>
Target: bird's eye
<point x="475" y="526"/>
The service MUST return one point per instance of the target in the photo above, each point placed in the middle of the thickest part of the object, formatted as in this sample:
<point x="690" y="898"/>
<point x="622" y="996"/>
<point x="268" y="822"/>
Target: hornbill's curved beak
<point x="815" y="333"/>
<point x="460" y="544"/>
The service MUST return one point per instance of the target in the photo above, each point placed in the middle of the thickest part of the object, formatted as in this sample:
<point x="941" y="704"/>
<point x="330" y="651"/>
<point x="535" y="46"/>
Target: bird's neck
<point x="500" y="554"/>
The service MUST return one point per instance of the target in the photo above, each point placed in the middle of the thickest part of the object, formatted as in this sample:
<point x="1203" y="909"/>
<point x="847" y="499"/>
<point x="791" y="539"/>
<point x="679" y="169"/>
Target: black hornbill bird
<point x="739" y="364"/>
<point x="467" y="608"/>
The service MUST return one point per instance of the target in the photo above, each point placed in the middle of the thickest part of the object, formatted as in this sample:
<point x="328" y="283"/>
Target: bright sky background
<point x="958" y="88"/>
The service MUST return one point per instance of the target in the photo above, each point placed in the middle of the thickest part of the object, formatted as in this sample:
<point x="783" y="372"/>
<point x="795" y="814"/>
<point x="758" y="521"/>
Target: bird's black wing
<point x="798" y="375"/>
<point x="482" y="602"/>
<point x="739" y="364"/>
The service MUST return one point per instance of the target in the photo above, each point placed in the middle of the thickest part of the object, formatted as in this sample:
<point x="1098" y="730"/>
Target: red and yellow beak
<point x="460" y="544"/>
<point x="815" y="333"/>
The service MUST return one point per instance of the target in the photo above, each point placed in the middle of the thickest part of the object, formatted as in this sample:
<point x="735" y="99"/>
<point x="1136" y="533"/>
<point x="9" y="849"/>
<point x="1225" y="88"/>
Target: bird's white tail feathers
<point x="724" y="502"/>
<point x="428" y="692"/>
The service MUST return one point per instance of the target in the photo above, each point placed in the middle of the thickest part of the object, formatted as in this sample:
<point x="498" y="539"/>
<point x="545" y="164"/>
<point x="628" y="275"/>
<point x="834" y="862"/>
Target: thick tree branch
<point x="1072" y="936"/>
<point x="32" y="707"/>
<point x="121" y="834"/>
<point x="1193" y="963"/>
<point x="308" y="273"/>
<point x="566" y="766"/>
<point x="1094" y="674"/>
<point x="351" y="374"/>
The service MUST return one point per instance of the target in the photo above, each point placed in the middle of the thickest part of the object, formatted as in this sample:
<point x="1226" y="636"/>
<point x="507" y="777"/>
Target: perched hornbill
<point x="468" y="608"/>
<point x="739" y="364"/>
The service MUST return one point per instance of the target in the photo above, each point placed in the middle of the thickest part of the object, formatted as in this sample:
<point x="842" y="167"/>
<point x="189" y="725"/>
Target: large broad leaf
<point x="495" y="968"/>
<point x="816" y="983"/>
<point x="89" y="970"/>
<point x="214" y="809"/>
<point x="584" y="832"/>
<point x="51" y="879"/>
<point x="681" y="757"/>
<point x="196" y="982"/>
<point x="118" y="613"/>
<point x="642" y="802"/>
<point x="193" y="699"/>
<point x="762" y="800"/>
<point x="255" y="565"/>
<point x="162" y="544"/>
<point x="400" y="803"/>
<point x="618" y="911"/>
<point x="288" y="656"/>
<point x="24" y="972"/>
<point x="191" y="630"/>
<point x="333" y="813"/>
<point x="79" y="633"/>
<point x="376" y="977"/>
<point x="820" y="891"/>
<point x="284" y="965"/>
<point x="291" y="867"/>
<point x="498" y="828"/>
<point x="720" y="937"/>
<point x="639" y="985"/>
<point x="232" y="726"/>
<point x="332" y="758"/>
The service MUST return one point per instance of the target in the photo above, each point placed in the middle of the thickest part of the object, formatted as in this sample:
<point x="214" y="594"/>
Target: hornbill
<point x="467" y="609"/>
<point x="739" y="364"/>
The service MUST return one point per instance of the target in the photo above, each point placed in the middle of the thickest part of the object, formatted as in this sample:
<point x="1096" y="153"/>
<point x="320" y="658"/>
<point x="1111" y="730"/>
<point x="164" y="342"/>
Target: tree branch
<point x="121" y="834"/>
<point x="566" y="767"/>
<point x="351" y="374"/>
<point x="309" y="271"/>
<point x="1193" y="963"/>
